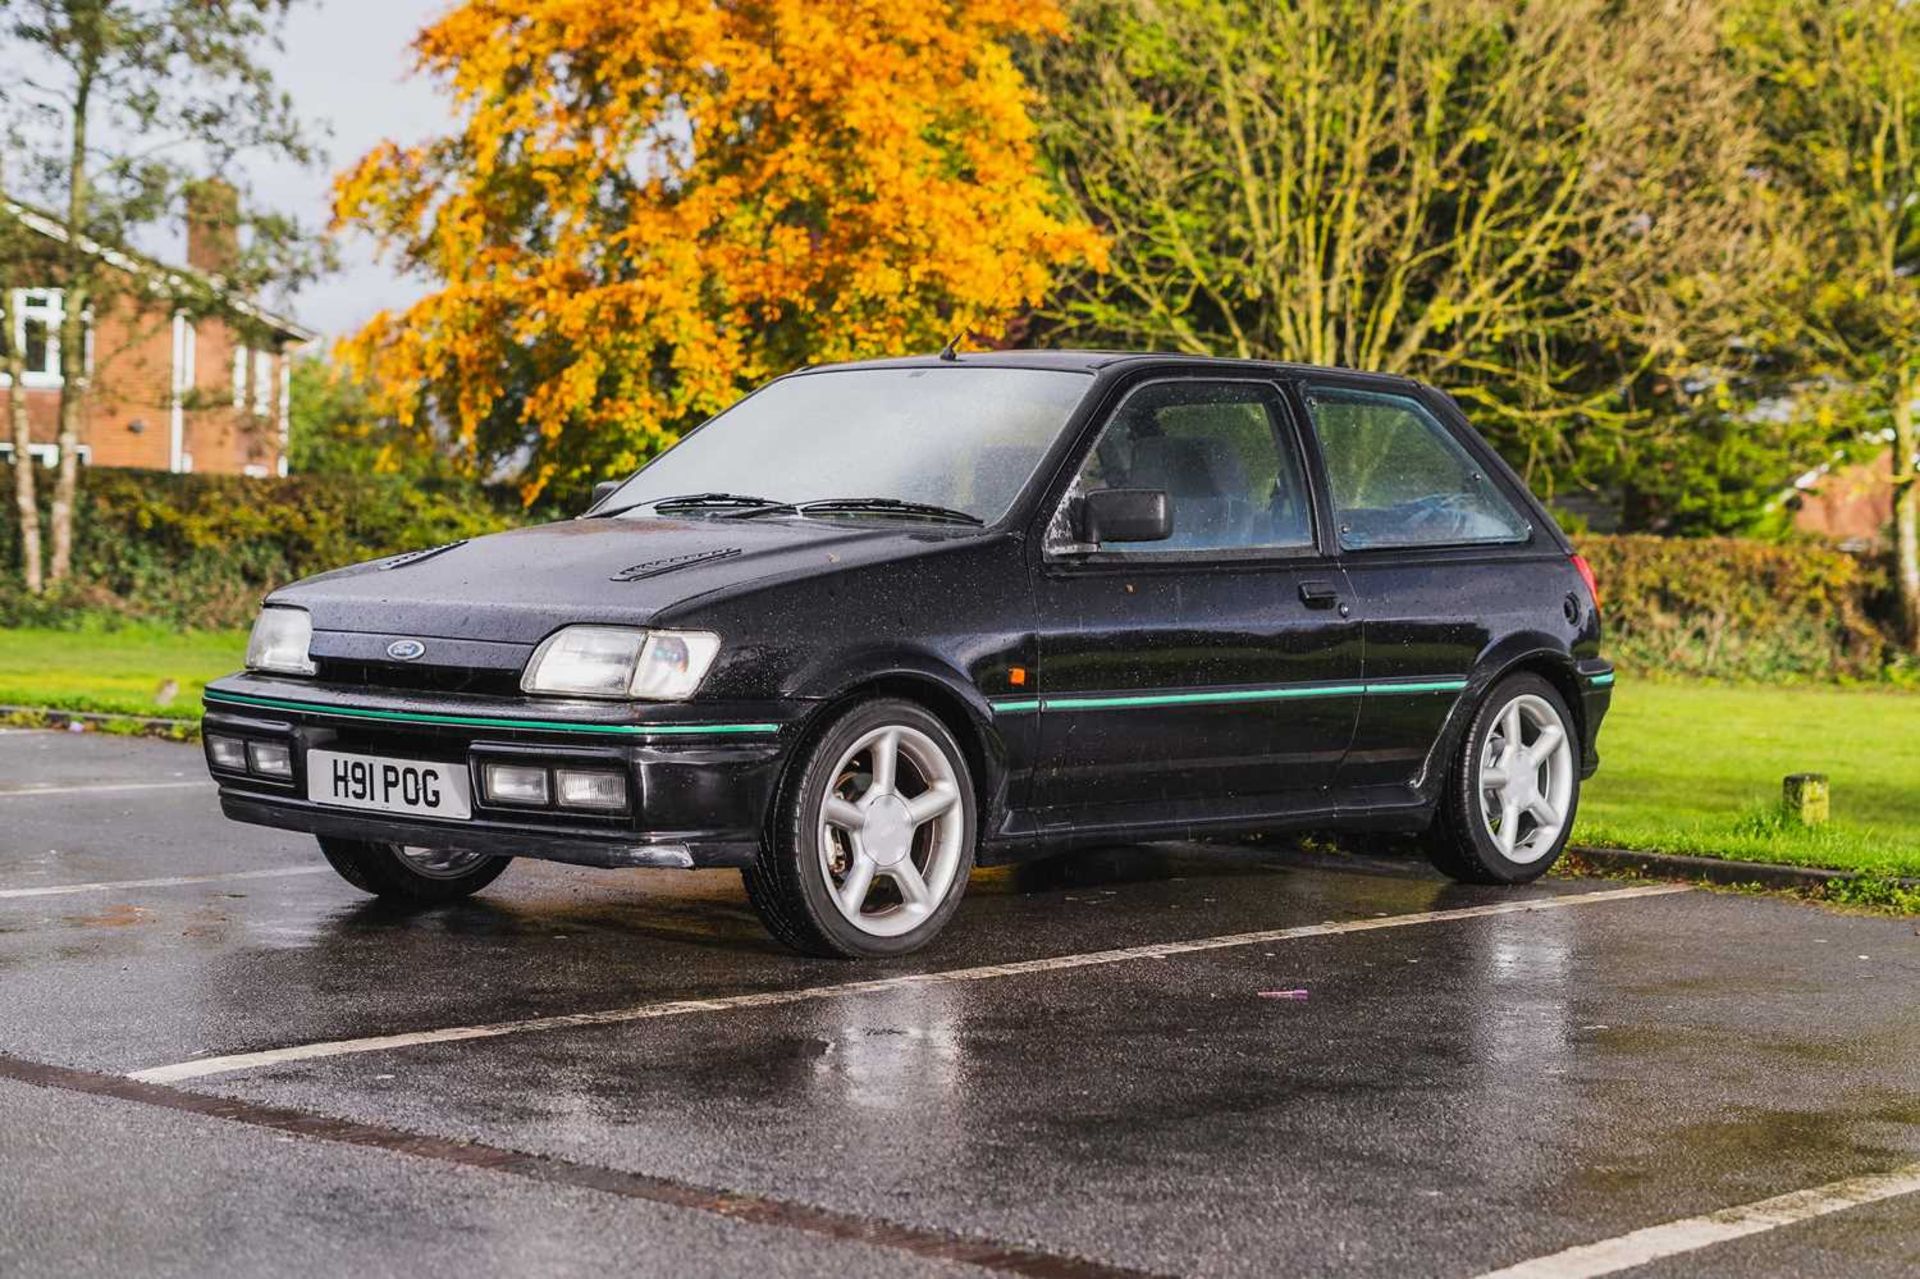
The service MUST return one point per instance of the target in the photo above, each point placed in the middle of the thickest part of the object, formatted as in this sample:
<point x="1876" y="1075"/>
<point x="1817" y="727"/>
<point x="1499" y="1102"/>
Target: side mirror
<point x="602" y="491"/>
<point x="1125" y="515"/>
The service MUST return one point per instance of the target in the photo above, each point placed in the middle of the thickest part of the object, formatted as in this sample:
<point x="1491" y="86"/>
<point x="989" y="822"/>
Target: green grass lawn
<point x="122" y="671"/>
<point x="1687" y="768"/>
<point x="1695" y="768"/>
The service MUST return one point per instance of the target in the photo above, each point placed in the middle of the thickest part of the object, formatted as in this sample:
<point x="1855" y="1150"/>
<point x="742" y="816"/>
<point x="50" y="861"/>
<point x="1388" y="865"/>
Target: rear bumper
<point x="1595" y="678"/>
<point x="699" y="784"/>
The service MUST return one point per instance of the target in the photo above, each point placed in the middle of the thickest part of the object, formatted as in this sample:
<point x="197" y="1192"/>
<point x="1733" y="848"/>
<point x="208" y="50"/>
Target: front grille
<point x="420" y="679"/>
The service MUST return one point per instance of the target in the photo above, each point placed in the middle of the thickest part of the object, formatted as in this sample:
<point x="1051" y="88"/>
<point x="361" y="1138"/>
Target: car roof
<point x="1101" y="361"/>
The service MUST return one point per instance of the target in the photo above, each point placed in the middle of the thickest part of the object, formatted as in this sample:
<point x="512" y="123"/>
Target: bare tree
<point x="1549" y="207"/>
<point x="25" y="498"/>
<point x="16" y="247"/>
<point x="119" y="91"/>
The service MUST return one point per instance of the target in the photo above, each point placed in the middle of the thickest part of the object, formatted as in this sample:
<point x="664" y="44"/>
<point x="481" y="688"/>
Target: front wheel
<point x="870" y="850"/>
<point x="410" y="876"/>
<point x="1513" y="789"/>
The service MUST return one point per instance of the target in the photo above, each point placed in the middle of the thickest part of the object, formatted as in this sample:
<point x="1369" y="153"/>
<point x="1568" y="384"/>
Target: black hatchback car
<point x="878" y="623"/>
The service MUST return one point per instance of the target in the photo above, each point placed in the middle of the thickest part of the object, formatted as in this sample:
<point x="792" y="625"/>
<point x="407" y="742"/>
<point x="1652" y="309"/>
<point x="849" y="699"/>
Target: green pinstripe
<point x="1228" y="696"/>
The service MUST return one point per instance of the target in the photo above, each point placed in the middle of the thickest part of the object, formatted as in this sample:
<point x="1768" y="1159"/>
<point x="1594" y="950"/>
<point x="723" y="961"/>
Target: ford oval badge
<point x="405" y="650"/>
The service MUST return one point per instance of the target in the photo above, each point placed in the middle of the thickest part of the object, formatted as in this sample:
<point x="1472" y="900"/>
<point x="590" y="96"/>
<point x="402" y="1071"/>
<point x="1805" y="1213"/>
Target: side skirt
<point x="1028" y="834"/>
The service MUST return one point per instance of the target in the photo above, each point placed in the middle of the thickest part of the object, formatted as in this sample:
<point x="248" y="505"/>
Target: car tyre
<point x="410" y="876"/>
<point x="1513" y="790"/>
<point x="868" y="852"/>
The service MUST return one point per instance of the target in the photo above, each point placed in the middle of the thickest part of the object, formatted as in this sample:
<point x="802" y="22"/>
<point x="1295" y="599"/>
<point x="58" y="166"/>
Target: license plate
<point x="389" y="785"/>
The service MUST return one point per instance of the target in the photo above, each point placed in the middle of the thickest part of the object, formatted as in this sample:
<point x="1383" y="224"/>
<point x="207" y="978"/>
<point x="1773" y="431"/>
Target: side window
<point x="1218" y="450"/>
<point x="1399" y="478"/>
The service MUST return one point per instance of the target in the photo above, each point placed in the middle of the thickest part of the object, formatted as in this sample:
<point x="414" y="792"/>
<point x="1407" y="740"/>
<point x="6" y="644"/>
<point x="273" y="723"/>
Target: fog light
<point x="228" y="752"/>
<point x="515" y="784"/>
<point x="270" y="759"/>
<point x="582" y="789"/>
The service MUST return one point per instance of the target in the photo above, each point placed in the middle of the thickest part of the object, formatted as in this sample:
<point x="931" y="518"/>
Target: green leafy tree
<point x="1550" y="208"/>
<point x="337" y="429"/>
<point x="116" y="103"/>
<point x="1838" y="83"/>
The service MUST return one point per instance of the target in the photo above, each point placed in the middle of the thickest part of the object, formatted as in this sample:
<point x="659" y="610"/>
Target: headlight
<point x="280" y="640"/>
<point x="621" y="661"/>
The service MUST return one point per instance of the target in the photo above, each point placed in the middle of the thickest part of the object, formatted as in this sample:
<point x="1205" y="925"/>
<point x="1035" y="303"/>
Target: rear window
<point x="1399" y="478"/>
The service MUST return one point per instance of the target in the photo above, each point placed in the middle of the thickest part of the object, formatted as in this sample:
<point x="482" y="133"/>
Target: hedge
<point x="1728" y="608"/>
<point x="200" y="550"/>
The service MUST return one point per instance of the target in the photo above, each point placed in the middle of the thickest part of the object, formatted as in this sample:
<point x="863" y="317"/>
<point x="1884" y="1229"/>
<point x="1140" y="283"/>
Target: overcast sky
<point x="346" y="66"/>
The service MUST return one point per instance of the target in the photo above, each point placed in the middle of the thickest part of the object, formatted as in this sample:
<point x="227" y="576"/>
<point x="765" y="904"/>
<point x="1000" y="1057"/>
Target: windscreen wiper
<point x="887" y="506"/>
<point x="732" y="504"/>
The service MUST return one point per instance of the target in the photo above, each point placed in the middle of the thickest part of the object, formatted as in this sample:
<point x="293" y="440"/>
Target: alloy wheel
<point x="439" y="863"/>
<point x="1526" y="779"/>
<point x="891" y="831"/>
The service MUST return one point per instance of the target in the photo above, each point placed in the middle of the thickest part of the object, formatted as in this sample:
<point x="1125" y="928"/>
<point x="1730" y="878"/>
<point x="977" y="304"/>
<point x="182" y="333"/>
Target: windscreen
<point x="963" y="438"/>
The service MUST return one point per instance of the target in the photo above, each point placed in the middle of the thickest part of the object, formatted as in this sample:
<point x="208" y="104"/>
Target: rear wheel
<point x="873" y="842"/>
<point x="1513" y="789"/>
<point x="408" y="875"/>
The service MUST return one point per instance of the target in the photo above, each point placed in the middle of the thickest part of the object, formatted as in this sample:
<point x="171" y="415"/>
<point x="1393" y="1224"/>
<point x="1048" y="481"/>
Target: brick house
<point x="169" y="391"/>
<point x="1848" y="505"/>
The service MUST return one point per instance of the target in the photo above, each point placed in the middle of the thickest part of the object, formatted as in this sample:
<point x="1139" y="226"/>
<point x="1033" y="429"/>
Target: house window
<point x="185" y="339"/>
<point x="36" y="335"/>
<point x="48" y="455"/>
<point x="257" y="365"/>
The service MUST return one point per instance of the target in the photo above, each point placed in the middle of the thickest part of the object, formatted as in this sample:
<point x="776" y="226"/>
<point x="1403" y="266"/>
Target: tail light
<point x="1585" y="570"/>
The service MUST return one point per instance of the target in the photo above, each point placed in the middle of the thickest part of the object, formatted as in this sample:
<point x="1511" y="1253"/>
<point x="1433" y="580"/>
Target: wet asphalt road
<point x="1453" y="1096"/>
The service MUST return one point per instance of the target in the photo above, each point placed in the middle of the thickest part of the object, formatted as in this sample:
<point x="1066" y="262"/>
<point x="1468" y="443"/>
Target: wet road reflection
<point x="1443" y="1089"/>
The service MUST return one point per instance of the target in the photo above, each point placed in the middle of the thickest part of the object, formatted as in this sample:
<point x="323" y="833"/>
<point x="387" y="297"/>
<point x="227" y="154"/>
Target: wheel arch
<point x="1527" y="653"/>
<point x="960" y="707"/>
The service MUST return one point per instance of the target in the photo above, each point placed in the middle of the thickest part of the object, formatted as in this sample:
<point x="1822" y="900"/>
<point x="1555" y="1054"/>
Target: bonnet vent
<point x="414" y="557"/>
<point x="653" y="568"/>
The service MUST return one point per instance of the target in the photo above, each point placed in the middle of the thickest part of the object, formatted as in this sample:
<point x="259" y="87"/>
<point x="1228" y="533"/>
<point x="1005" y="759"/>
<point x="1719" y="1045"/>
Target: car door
<point x="1436" y="555"/>
<point x="1213" y="673"/>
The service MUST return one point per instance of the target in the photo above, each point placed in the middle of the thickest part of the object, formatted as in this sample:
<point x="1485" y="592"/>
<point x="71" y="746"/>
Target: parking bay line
<point x="206" y="1066"/>
<point x="101" y="788"/>
<point x="1694" y="1233"/>
<point x="741" y="1206"/>
<point x="171" y="881"/>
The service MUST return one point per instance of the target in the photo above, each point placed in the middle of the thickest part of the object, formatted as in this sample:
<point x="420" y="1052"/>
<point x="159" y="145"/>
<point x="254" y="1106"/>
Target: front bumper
<point x="700" y="779"/>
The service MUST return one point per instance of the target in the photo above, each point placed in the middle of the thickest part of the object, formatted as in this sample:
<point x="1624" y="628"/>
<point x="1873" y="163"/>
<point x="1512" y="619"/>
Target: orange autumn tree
<point x="648" y="207"/>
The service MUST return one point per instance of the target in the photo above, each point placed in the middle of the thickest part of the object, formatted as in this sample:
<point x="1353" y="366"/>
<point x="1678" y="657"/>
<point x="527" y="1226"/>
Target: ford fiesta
<point x="879" y="623"/>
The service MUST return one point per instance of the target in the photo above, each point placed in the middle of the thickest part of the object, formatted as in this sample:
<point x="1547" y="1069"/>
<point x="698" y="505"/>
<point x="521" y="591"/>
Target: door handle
<point x="1318" y="595"/>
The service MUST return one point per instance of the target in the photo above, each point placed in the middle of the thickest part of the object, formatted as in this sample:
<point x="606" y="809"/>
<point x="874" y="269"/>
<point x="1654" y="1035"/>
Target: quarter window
<point x="1399" y="478"/>
<point x="1232" y="478"/>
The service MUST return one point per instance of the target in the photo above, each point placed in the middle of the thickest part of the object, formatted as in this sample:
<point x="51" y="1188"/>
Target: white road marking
<point x="172" y="881"/>
<point x="1675" y="1237"/>
<point x="99" y="788"/>
<point x="206" y="1066"/>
